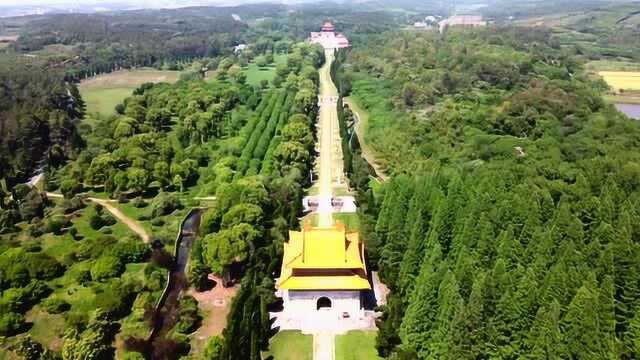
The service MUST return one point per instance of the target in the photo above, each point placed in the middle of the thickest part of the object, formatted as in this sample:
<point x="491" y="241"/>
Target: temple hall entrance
<point x="323" y="303"/>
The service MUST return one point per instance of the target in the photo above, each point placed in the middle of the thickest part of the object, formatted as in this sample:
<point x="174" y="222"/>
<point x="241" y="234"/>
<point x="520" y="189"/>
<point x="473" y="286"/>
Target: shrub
<point x="117" y="298"/>
<point x="108" y="219"/>
<point x="96" y="221"/>
<point x="106" y="267"/>
<point x="164" y="204"/>
<point x="157" y="221"/>
<point x="131" y="251"/>
<point x="83" y="277"/>
<point x="55" y="224"/>
<point x="56" y="306"/>
<point x="198" y="275"/>
<point x="11" y="324"/>
<point x="106" y="230"/>
<point x="73" y="231"/>
<point x="73" y="204"/>
<point x="139" y="202"/>
<point x="43" y="267"/>
<point x="189" y="317"/>
<point x="70" y="187"/>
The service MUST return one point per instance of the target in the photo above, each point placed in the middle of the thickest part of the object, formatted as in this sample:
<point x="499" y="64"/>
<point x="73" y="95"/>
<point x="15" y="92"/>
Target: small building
<point x="328" y="38"/>
<point x="462" y="20"/>
<point x="328" y="27"/>
<point x="323" y="269"/>
<point x="239" y="48"/>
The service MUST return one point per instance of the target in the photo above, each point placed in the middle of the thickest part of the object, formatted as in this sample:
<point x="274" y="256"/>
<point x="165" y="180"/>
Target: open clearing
<point x="215" y="305"/>
<point x="290" y="345"/>
<point x="626" y="80"/>
<point x="356" y="345"/>
<point x="103" y="92"/>
<point x="256" y="74"/>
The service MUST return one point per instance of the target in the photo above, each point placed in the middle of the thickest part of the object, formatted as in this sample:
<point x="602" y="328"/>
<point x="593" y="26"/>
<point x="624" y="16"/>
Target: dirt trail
<point x="361" y="124"/>
<point x="107" y="204"/>
<point x="132" y="224"/>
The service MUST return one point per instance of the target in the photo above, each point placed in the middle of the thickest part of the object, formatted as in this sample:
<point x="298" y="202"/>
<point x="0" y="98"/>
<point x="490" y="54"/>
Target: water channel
<point x="168" y="306"/>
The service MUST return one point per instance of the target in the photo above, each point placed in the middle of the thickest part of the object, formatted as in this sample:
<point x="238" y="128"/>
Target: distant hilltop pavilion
<point x="328" y="38"/>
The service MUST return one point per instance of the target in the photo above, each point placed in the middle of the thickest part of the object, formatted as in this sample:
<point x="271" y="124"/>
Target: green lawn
<point x="102" y="93"/>
<point x="290" y="345"/>
<point x="256" y="74"/>
<point x="104" y="101"/>
<point x="356" y="345"/>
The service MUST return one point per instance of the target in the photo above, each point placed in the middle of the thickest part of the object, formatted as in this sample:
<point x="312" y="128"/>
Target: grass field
<point x="626" y="80"/>
<point x="356" y="345"/>
<point x="290" y="345"/>
<point x="350" y="220"/>
<point x="611" y="65"/>
<point x="256" y="74"/>
<point x="104" y="92"/>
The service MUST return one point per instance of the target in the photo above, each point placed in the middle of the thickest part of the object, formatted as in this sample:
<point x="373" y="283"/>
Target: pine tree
<point x="449" y="302"/>
<point x="581" y="326"/>
<point x="423" y="305"/>
<point x="545" y="340"/>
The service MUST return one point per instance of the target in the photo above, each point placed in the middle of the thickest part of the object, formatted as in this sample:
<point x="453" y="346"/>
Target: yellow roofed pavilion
<point x="323" y="259"/>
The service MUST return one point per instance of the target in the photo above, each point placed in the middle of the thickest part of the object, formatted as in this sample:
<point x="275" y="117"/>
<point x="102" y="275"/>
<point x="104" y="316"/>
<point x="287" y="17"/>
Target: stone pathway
<point x="324" y="346"/>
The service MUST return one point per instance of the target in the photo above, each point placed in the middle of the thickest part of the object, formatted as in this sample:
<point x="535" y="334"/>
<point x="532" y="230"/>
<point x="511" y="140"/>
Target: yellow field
<point x="627" y="80"/>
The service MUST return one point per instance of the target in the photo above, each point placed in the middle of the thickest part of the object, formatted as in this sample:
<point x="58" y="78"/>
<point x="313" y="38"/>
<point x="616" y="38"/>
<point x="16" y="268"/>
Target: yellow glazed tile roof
<point x="323" y="250"/>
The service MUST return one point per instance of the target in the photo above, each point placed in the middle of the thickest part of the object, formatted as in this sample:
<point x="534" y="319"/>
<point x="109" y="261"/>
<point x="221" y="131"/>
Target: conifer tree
<point x="581" y="326"/>
<point x="545" y="340"/>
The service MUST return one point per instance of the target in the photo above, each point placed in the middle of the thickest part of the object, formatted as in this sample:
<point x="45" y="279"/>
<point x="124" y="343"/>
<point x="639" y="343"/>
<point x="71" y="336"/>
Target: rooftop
<point x="323" y="258"/>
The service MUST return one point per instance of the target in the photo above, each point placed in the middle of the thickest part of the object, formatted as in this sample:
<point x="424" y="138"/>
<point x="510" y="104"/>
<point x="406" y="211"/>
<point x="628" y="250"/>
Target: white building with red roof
<point x="328" y="38"/>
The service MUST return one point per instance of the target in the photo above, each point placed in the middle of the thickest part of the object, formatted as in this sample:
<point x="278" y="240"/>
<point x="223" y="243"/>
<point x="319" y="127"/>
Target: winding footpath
<point x="131" y="223"/>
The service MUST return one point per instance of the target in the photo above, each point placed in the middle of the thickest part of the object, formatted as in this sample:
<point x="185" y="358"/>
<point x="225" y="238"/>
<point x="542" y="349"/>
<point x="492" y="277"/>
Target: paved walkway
<point x="324" y="346"/>
<point x="329" y="138"/>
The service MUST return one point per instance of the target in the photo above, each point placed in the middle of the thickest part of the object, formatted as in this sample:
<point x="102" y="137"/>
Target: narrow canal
<point x="168" y="308"/>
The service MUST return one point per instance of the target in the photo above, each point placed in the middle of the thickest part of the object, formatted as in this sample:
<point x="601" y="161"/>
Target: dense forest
<point x="89" y="44"/>
<point x="39" y="113"/>
<point x="509" y="227"/>
<point x="248" y="146"/>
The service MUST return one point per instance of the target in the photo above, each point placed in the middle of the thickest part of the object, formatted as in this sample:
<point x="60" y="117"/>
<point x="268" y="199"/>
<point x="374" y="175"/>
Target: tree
<point x="261" y="61"/>
<point x="214" y="348"/>
<point x="93" y="343"/>
<point x="545" y="340"/>
<point x="138" y="179"/>
<point x="30" y="349"/>
<point x="229" y="245"/>
<point x="581" y="326"/>
<point x="106" y="267"/>
<point x="11" y="323"/>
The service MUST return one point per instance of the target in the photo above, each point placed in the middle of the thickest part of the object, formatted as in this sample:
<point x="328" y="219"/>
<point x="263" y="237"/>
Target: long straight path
<point x="330" y="174"/>
<point x="324" y="347"/>
<point x="330" y="162"/>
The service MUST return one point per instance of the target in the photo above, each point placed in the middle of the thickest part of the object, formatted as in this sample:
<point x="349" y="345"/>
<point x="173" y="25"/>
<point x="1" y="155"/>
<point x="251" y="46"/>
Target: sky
<point x="97" y="2"/>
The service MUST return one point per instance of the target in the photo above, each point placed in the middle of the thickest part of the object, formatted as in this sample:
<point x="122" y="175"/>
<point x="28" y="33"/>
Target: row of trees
<point x="244" y="231"/>
<point x="514" y="236"/>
